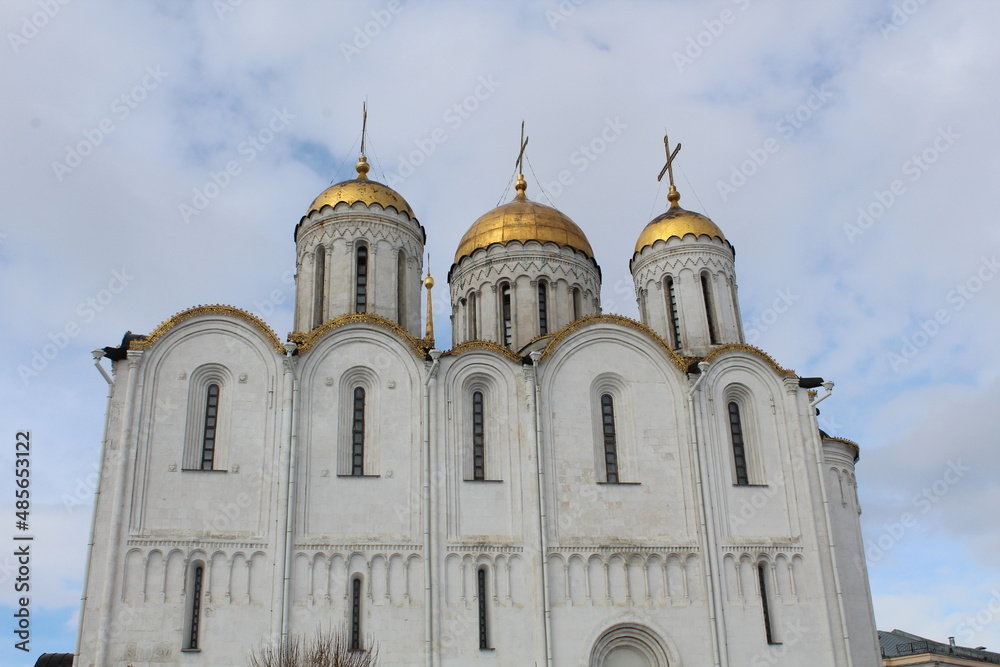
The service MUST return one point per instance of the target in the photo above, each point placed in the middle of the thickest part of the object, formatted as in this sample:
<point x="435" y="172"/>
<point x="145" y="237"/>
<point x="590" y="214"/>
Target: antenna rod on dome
<point x="364" y="125"/>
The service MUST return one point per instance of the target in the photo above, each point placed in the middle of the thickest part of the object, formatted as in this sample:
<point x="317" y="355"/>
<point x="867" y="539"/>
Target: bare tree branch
<point x="327" y="648"/>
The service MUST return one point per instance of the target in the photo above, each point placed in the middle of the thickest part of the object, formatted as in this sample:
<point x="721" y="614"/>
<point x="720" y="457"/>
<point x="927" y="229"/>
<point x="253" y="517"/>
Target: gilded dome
<point x="523" y="220"/>
<point x="677" y="222"/>
<point x="362" y="190"/>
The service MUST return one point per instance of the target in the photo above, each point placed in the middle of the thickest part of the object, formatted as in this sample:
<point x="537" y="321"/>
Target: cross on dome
<point x="673" y="196"/>
<point x="521" y="185"/>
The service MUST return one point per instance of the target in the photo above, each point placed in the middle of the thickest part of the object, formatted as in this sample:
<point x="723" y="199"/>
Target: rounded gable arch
<point x="748" y="370"/>
<point x="625" y="325"/>
<point x="206" y="321"/>
<point x="217" y="310"/>
<point x="386" y="348"/>
<point x="564" y="346"/>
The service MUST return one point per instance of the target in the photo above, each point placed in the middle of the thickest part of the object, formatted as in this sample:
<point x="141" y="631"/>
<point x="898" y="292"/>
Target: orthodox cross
<point x="520" y="156"/>
<point x="669" y="166"/>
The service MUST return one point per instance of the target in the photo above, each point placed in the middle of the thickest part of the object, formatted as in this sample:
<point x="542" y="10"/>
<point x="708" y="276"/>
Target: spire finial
<point x="362" y="167"/>
<point x="673" y="196"/>
<point x="521" y="185"/>
<point x="429" y="285"/>
<point x="364" y="124"/>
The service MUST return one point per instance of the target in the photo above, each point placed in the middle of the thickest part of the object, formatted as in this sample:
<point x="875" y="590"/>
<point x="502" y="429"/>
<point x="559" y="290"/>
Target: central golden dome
<point x="362" y="190"/>
<point x="523" y="220"/>
<point x="677" y="222"/>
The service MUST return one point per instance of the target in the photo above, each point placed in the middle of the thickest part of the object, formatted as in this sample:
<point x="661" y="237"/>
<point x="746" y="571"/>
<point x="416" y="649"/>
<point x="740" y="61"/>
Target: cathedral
<point x="562" y="487"/>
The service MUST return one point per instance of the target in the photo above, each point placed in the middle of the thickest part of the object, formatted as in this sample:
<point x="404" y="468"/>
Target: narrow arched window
<point x="739" y="446"/>
<point x="675" y="321"/>
<point x="194" y="609"/>
<point x="358" y="433"/>
<point x="543" y="308"/>
<point x="471" y="315"/>
<point x="401" y="289"/>
<point x="765" y="603"/>
<point x="211" y="427"/>
<point x="484" y="628"/>
<point x="319" y="286"/>
<point x="577" y="303"/>
<point x="713" y="335"/>
<point x="361" y="281"/>
<point x="356" y="614"/>
<point x="478" y="444"/>
<point x="610" y="438"/>
<point x="734" y="303"/>
<point x="505" y="321"/>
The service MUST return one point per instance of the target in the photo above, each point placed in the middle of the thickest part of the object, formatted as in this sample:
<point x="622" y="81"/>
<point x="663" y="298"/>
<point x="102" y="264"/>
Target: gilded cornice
<point x="683" y="363"/>
<point x="216" y="309"/>
<point x="749" y="349"/>
<point x="486" y="345"/>
<point x="307" y="340"/>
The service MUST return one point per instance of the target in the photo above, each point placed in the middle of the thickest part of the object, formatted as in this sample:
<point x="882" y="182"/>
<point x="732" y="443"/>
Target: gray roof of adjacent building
<point x="898" y="643"/>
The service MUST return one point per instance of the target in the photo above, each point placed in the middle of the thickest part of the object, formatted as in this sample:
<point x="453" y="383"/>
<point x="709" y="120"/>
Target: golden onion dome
<point x="361" y="189"/>
<point x="677" y="222"/>
<point x="523" y="220"/>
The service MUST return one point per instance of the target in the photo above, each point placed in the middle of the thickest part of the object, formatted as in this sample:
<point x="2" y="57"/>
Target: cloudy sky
<point x="157" y="156"/>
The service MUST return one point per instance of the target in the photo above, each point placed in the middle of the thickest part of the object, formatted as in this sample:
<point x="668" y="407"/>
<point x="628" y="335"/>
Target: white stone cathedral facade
<point x="562" y="487"/>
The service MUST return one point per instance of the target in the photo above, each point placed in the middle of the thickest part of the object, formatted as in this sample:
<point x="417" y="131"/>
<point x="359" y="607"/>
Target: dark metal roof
<point x="119" y="353"/>
<point x="898" y="643"/>
<point x="55" y="660"/>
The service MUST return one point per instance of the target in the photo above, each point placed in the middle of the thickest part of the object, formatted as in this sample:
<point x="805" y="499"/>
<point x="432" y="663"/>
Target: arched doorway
<point x="629" y="645"/>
